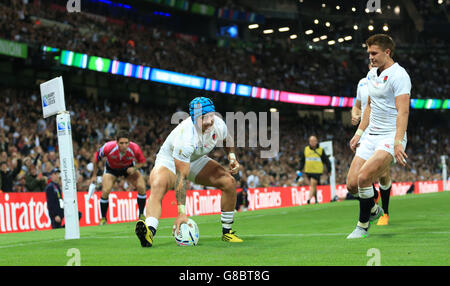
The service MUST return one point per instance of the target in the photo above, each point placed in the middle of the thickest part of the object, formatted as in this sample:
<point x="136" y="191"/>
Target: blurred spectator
<point x="34" y="181"/>
<point x="242" y="198"/>
<point x="8" y="176"/>
<point x="253" y="179"/>
<point x="55" y="203"/>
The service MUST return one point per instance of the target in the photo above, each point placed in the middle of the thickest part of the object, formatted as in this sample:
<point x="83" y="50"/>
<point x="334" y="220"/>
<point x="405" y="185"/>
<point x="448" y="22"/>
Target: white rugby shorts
<point x="371" y="143"/>
<point x="194" y="167"/>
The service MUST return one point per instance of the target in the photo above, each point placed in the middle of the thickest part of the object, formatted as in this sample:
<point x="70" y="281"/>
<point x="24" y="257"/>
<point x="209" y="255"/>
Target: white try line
<point x="215" y="236"/>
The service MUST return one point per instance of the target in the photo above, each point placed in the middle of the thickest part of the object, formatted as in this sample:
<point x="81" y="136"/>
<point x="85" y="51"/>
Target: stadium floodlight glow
<point x="273" y="109"/>
<point x="338" y="7"/>
<point x="324" y="5"/>
<point x="440" y="2"/>
<point x="283" y="29"/>
<point x="316" y="40"/>
<point x="367" y="10"/>
<point x="332" y="42"/>
<point x="397" y="10"/>
<point x="316" y="21"/>
<point x="370" y="27"/>
<point x="309" y="32"/>
<point x="327" y="24"/>
<point x="268" y="31"/>
<point x="324" y="37"/>
<point x="385" y="28"/>
<point x="293" y="37"/>
<point x="355" y="27"/>
<point x="353" y="9"/>
<point x="378" y="11"/>
<point x="340" y="40"/>
<point x="253" y="26"/>
<point x="348" y="38"/>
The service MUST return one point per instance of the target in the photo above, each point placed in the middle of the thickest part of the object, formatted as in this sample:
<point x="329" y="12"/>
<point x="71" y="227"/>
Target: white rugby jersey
<point x="362" y="94"/>
<point x="383" y="89"/>
<point x="184" y="143"/>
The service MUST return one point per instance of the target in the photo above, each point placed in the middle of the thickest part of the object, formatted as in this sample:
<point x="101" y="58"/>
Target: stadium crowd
<point x="28" y="144"/>
<point x="29" y="147"/>
<point x="269" y="64"/>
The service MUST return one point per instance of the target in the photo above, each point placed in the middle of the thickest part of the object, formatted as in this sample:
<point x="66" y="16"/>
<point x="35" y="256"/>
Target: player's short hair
<point x="383" y="41"/>
<point x="122" y="134"/>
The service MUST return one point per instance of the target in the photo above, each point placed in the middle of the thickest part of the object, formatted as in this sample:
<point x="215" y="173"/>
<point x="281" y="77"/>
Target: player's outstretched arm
<point x="182" y="169"/>
<point x="402" y="105"/>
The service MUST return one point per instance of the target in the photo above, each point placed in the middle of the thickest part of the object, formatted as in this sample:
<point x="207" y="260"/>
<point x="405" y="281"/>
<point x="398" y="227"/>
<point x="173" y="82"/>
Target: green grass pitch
<point x="418" y="234"/>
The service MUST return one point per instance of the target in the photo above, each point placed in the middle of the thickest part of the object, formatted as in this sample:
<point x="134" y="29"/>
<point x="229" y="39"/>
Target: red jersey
<point x="115" y="160"/>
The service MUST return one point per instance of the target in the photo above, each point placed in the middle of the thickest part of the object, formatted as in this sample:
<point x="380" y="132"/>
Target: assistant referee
<point x="312" y="160"/>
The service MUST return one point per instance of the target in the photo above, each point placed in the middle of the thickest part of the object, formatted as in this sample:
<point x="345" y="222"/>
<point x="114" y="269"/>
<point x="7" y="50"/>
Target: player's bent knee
<point x="364" y="179"/>
<point x="227" y="183"/>
<point x="352" y="185"/>
<point x="352" y="188"/>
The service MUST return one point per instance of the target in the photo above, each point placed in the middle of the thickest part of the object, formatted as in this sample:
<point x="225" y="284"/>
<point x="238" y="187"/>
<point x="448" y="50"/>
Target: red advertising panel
<point x="20" y="212"/>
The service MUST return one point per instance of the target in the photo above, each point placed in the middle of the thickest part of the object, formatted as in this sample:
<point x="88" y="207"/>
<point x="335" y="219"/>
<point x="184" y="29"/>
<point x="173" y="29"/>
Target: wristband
<point x="359" y="132"/>
<point x="232" y="156"/>
<point x="181" y="209"/>
<point x="397" y="142"/>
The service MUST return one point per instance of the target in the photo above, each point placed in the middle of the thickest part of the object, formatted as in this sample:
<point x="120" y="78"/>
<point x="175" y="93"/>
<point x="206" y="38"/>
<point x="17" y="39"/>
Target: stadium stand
<point x="27" y="136"/>
<point x="109" y="33"/>
<point x="255" y="64"/>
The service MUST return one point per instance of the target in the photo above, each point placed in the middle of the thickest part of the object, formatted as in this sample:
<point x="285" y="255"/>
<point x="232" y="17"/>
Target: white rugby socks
<point x="152" y="223"/>
<point x="227" y="221"/>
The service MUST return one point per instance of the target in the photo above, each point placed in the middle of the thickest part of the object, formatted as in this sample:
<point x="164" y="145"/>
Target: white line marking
<point x="214" y="236"/>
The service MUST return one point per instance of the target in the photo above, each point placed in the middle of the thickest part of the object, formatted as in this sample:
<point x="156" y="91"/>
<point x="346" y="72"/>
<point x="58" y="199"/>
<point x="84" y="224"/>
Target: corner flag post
<point x="52" y="95"/>
<point x="328" y="147"/>
<point x="444" y="172"/>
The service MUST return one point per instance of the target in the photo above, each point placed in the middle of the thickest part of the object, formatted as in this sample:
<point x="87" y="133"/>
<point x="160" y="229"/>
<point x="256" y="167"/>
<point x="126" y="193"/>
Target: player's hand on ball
<point x="354" y="143"/>
<point x="400" y="154"/>
<point x="182" y="218"/>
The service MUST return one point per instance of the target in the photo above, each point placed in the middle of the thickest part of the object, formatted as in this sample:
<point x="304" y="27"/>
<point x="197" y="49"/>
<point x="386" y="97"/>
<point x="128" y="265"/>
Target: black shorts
<point x="314" y="176"/>
<point x="117" y="172"/>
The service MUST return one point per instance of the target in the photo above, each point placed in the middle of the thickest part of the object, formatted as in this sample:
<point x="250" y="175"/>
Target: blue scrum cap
<point x="200" y="106"/>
